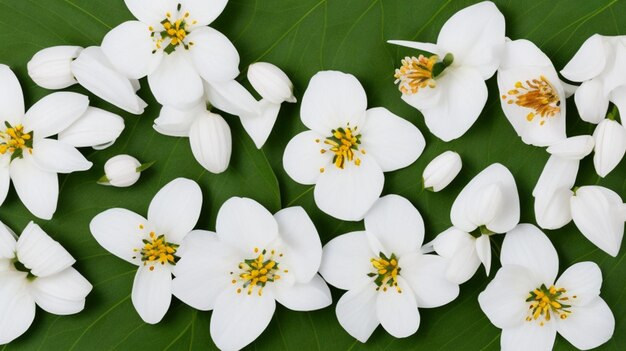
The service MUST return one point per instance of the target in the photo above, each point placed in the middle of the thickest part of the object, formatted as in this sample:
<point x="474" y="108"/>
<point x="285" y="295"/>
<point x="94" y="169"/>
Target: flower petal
<point x="380" y="127"/>
<point x="259" y="125"/>
<point x="238" y="319"/>
<point x="397" y="225"/>
<point x="298" y="233"/>
<point x="442" y="170"/>
<point x="54" y="113"/>
<point x="118" y="231"/>
<point x="346" y="260"/>
<point x="610" y="141"/>
<point x="552" y="210"/>
<point x="131" y="49"/>
<point x="175" y="209"/>
<point x="203" y="11"/>
<point x="529" y="247"/>
<point x="62" y="293"/>
<point x="397" y="311"/>
<point x="38" y="189"/>
<point x="17" y="307"/>
<point x="483" y="250"/>
<point x="528" y="336"/>
<point x="176" y="82"/>
<point x="40" y="253"/>
<point x="5" y="179"/>
<point x="303" y="161"/>
<point x="8" y="242"/>
<point x="213" y="54"/>
<point x="573" y="148"/>
<point x="151" y="12"/>
<point x="426" y="275"/>
<point x="57" y="157"/>
<point x="591" y="101"/>
<point x="583" y="280"/>
<point x="356" y="311"/>
<point x="426" y="47"/>
<point x="95" y="127"/>
<point x="333" y="100"/>
<point x="588" y="62"/>
<point x="175" y="122"/>
<point x="246" y="225"/>
<point x="558" y="173"/>
<point x="152" y="292"/>
<point x="459" y="248"/>
<point x="50" y="68"/>
<point x="231" y="97"/>
<point x="348" y="193"/>
<point x="310" y="296"/>
<point x="11" y="98"/>
<point x="588" y="326"/>
<point x="211" y="141"/>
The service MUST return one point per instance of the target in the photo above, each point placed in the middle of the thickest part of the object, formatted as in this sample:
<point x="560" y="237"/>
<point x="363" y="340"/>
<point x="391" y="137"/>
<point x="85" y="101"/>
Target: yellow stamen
<point x="545" y="302"/>
<point x="416" y="73"/>
<point x="538" y="95"/>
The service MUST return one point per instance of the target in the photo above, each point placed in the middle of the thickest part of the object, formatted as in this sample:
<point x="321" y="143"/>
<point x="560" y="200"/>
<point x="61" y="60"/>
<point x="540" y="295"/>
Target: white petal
<point x="38" y="190"/>
<point x="203" y="11"/>
<point x="583" y="280"/>
<point x="442" y="170"/>
<point x="303" y="160"/>
<point x="588" y="62"/>
<point x="54" y="113"/>
<point x="11" y="98"/>
<point x="465" y="214"/>
<point x="175" y="122"/>
<point x="596" y="211"/>
<point x="396" y="224"/>
<point x="558" y="173"/>
<point x="591" y="101"/>
<point x="589" y="326"/>
<point x="346" y="260"/>
<point x="61" y="294"/>
<point x="211" y="142"/>
<point x="348" y="193"/>
<point x="426" y="275"/>
<point x="427" y="47"/>
<point x="332" y="100"/>
<point x="238" y="319"/>
<point x="131" y="49"/>
<point x="573" y="148"/>
<point x="310" y="296"/>
<point x="304" y="247"/>
<point x="271" y="83"/>
<point x="8" y="242"/>
<point x="213" y="54"/>
<point x="475" y="43"/>
<point x="40" y="253"/>
<point x="152" y="292"/>
<point x="118" y="231"/>
<point x="528" y="336"/>
<point x="17" y="307"/>
<point x="529" y="247"/>
<point x="380" y="127"/>
<point x="231" y="97"/>
<point x="504" y="298"/>
<point x="176" y="82"/>
<point x="487" y="205"/>
<point x="151" y="12"/>
<point x="50" y="67"/>
<point x="175" y="209"/>
<point x="57" y="157"/>
<point x="95" y="73"/>
<point x="459" y="248"/>
<point x="610" y="141"/>
<point x="5" y="179"/>
<point x="356" y="311"/>
<point x="246" y="225"/>
<point x="552" y="209"/>
<point x="618" y="97"/>
<point x="483" y="250"/>
<point x="260" y="124"/>
<point x="463" y="96"/>
<point x="397" y="311"/>
<point x="95" y="127"/>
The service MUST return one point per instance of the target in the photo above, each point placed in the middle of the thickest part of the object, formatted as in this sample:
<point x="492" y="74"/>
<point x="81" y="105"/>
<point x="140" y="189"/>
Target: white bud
<point x="211" y="142"/>
<point x="442" y="170"/>
<point x="121" y="171"/>
<point x="271" y="83"/>
<point x="610" y="147"/>
<point x="50" y="67"/>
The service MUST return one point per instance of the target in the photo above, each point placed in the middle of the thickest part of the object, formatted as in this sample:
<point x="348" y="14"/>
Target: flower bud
<point x="610" y="147"/>
<point x="211" y="142"/>
<point x="271" y="83"/>
<point x="122" y="171"/>
<point x="442" y="170"/>
<point x="50" y="67"/>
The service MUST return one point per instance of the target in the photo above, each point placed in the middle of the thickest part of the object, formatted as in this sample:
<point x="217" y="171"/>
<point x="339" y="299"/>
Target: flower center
<point x="538" y="95"/>
<point x="174" y="32"/>
<point x="257" y="272"/>
<point x="344" y="143"/>
<point x="20" y="267"/>
<point x="157" y="250"/>
<point x="545" y="302"/>
<point x="14" y="141"/>
<point x="387" y="271"/>
<point x="416" y="73"/>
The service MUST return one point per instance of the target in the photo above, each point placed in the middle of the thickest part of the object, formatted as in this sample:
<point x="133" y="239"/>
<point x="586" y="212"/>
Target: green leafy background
<point x="302" y="37"/>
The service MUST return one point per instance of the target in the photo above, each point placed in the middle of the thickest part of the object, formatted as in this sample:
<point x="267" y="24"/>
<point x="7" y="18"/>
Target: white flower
<point x="442" y="170"/>
<point x="599" y="65"/>
<point x="29" y="157"/>
<point x="532" y="96"/>
<point x="35" y="270"/>
<point x="253" y="260"/>
<point x="122" y="171"/>
<point x="151" y="244"/>
<point x="50" y="68"/>
<point x="94" y="72"/>
<point x="530" y="305"/>
<point x="448" y="87"/>
<point x="610" y="146"/>
<point x="386" y="275"/>
<point x="348" y="147"/>
<point x="271" y="83"/>
<point x="490" y="203"/>
<point x="172" y="45"/>
<point x="598" y="214"/>
<point x="96" y="128"/>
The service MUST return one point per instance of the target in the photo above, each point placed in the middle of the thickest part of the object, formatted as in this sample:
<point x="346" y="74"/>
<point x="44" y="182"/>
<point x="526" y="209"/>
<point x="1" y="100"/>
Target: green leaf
<point x="302" y="37"/>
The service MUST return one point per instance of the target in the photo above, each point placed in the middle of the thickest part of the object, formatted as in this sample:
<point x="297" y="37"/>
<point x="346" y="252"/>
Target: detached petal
<point x="357" y="312"/>
<point x="95" y="127"/>
<point x="50" y="68"/>
<point x="610" y="141"/>
<point x="211" y="142"/>
<point x="573" y="148"/>
<point x="426" y="275"/>
<point x="346" y="261"/>
<point x="303" y="160"/>
<point x="175" y="122"/>
<point x="552" y="210"/>
<point x="459" y="249"/>
<point x="57" y="157"/>
<point x="119" y="231"/>
<point x="483" y="250"/>
<point x="558" y="173"/>
<point x="11" y="98"/>
<point x="38" y="189"/>
<point x="246" y="225"/>
<point x="40" y="253"/>
<point x="397" y="311"/>
<point x="310" y="296"/>
<point x="259" y="125"/>
<point x="61" y="294"/>
<point x="527" y="246"/>
<point x="231" y="97"/>
<point x="152" y="292"/>
<point x="213" y="54"/>
<point x="271" y="83"/>
<point x="176" y="82"/>
<point x="588" y="326"/>
<point x="591" y="101"/>
<point x="131" y="49"/>
<point x="588" y="62"/>
<point x="583" y="280"/>
<point x="17" y="307"/>
<point x="54" y="113"/>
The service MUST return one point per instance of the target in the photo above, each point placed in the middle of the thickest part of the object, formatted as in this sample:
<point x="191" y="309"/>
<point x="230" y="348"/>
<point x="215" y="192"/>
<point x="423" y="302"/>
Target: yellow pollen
<point x="386" y="272"/>
<point x="538" y="95"/>
<point x="15" y="141"/>
<point x="547" y="302"/>
<point x="257" y="272"/>
<point x="157" y="250"/>
<point x="173" y="34"/>
<point x="416" y="73"/>
<point x="344" y="143"/>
